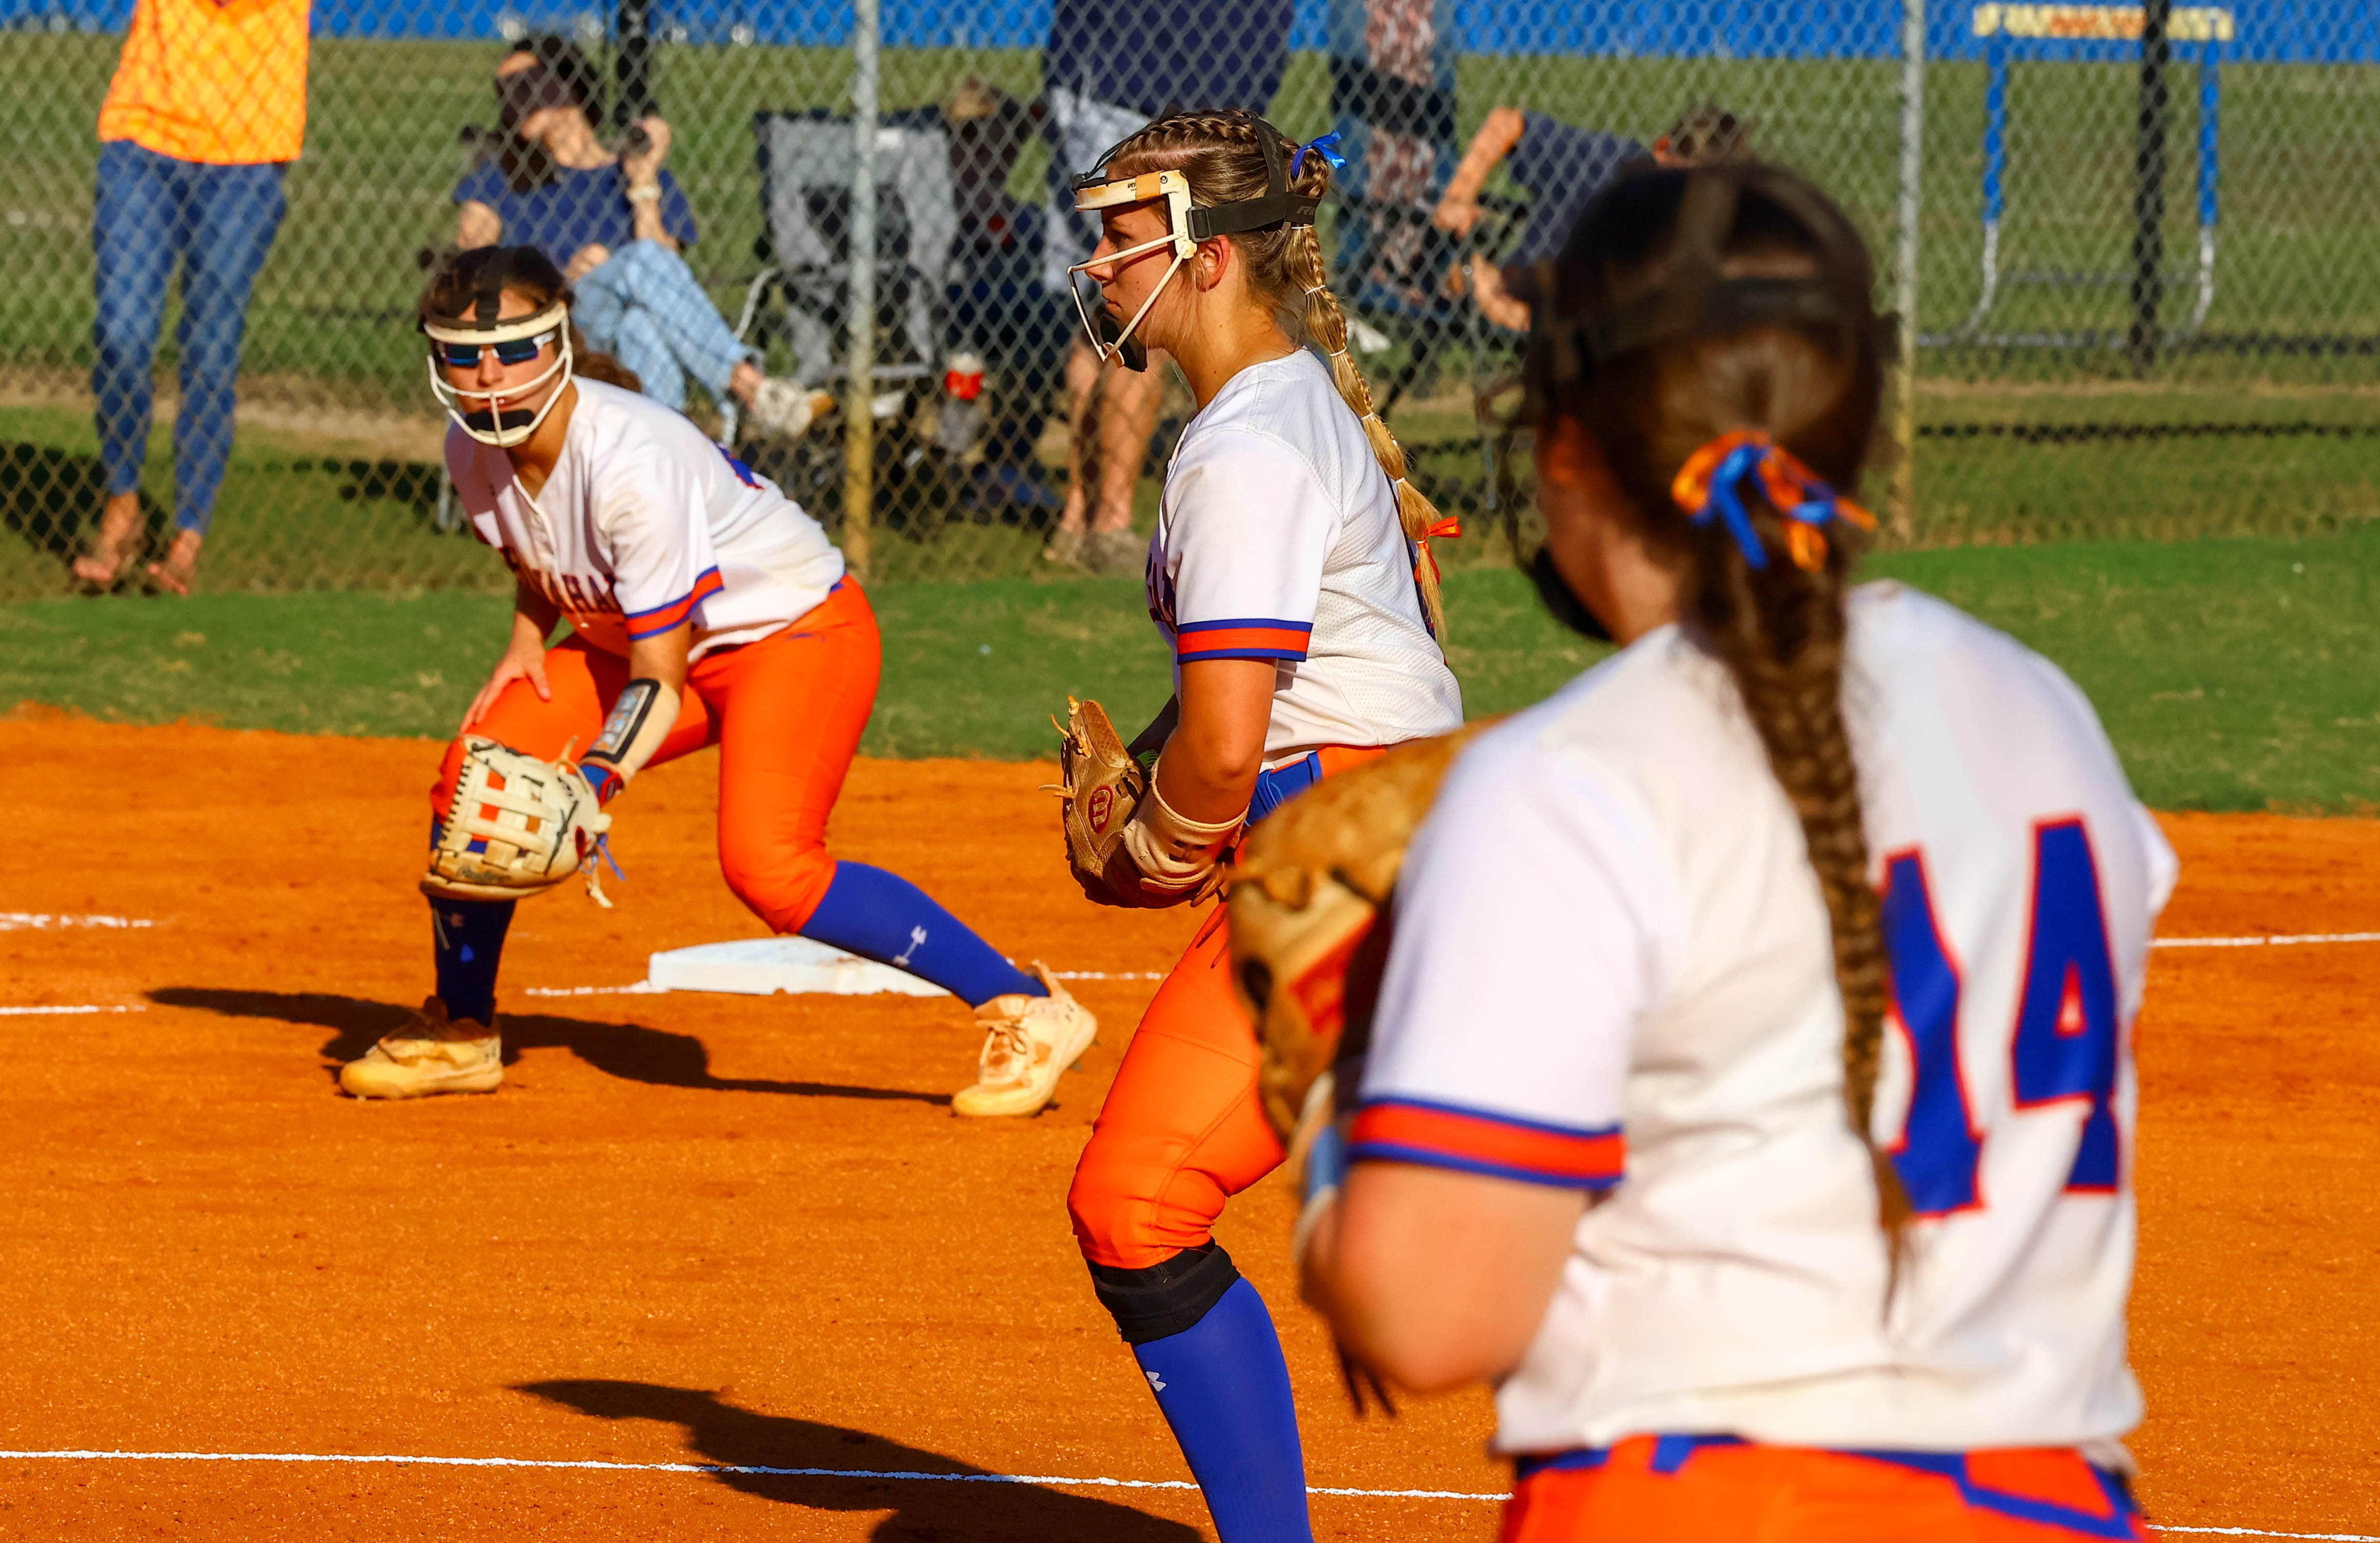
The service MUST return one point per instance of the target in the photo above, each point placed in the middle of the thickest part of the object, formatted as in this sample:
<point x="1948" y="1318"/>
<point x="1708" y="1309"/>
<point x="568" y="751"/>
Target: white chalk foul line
<point x="1064" y="1480"/>
<point x="646" y="988"/>
<point x="77" y="1007"/>
<point x="1067" y="1481"/>
<point x="2272" y="942"/>
<point x="30" y="921"/>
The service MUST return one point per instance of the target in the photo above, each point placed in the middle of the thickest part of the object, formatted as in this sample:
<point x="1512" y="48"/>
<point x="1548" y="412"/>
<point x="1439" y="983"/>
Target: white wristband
<point x="1171" y="851"/>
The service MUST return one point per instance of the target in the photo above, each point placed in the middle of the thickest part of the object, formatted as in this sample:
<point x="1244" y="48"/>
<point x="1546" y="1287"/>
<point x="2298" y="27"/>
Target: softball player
<point x="704" y="609"/>
<point x="1290" y="576"/>
<point x="1601" y="1155"/>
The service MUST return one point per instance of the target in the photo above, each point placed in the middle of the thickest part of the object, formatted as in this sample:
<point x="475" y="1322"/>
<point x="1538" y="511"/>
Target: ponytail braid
<point x="1780" y="630"/>
<point x="1220" y="151"/>
<point x="1778" y="627"/>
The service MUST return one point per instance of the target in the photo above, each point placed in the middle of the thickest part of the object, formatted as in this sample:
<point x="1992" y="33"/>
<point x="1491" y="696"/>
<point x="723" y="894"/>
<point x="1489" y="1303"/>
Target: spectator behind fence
<point x="1112" y="65"/>
<point x="207" y="109"/>
<point x="1562" y="167"/>
<point x="1000" y="310"/>
<point x="615" y="225"/>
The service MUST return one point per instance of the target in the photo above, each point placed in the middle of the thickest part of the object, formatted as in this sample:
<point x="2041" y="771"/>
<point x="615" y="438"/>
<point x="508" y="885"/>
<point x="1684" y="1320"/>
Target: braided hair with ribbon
<point x="1223" y="153"/>
<point x="1712" y="331"/>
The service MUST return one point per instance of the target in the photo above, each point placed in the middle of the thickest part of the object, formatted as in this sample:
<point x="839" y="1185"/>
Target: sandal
<point x="113" y="548"/>
<point x="181" y="565"/>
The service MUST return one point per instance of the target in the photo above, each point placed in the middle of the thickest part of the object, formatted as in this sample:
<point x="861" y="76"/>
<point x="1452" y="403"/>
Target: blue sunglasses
<point x="519" y="351"/>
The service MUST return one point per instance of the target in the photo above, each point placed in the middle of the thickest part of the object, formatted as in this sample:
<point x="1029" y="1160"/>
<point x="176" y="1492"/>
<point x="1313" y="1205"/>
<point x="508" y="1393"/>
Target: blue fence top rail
<point x="2295" y="31"/>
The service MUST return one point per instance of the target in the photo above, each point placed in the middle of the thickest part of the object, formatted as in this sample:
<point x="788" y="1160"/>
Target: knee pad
<point x="1167" y="1297"/>
<point x="781" y="888"/>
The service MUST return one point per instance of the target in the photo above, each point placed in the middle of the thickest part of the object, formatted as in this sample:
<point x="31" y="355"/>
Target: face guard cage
<point x="550" y="325"/>
<point x="1186" y="223"/>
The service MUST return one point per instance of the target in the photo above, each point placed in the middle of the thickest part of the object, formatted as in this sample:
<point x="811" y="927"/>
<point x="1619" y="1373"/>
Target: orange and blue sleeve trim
<point x="1254" y="637"/>
<point x="662" y="618"/>
<point x="1473" y="1141"/>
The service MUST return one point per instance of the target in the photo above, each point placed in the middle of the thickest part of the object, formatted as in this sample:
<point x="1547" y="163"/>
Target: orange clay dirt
<point x="719" y="1230"/>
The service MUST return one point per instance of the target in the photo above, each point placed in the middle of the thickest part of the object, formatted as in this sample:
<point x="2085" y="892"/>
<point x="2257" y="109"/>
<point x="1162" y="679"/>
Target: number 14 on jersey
<point x="2062" y="1046"/>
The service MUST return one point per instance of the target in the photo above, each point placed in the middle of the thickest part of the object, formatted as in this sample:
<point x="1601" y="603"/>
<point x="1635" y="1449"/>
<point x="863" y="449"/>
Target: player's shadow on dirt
<point x="944" y="1507"/>
<point x="628" y="1051"/>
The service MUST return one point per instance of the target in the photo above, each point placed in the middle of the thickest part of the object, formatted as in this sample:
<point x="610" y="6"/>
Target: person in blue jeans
<point x="616" y="225"/>
<point x="203" y="115"/>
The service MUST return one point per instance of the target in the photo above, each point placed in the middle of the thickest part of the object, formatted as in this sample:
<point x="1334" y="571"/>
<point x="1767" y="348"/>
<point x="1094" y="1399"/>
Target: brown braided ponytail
<point x="1815" y="387"/>
<point x="1218" y="149"/>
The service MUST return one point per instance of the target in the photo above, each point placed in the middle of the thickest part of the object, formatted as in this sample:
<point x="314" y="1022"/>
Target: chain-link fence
<point x="2147" y="304"/>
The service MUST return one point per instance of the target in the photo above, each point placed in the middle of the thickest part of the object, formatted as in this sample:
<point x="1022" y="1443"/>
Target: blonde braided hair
<point x="1219" y="151"/>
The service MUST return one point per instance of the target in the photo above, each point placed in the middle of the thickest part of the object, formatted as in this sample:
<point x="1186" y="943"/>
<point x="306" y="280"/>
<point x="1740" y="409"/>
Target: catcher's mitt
<point x="519" y="826"/>
<point x="1306" y="891"/>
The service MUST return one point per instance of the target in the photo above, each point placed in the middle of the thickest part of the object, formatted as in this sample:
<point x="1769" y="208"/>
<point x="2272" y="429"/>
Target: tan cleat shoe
<point x="432" y="1054"/>
<point x="1028" y="1041"/>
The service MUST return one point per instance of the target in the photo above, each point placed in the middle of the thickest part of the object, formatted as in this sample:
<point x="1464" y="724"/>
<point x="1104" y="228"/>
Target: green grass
<point x="2231" y="674"/>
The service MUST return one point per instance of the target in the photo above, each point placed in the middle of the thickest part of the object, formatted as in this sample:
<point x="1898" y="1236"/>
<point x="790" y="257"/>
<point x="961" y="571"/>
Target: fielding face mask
<point x="516" y="342"/>
<point x="1187" y="222"/>
<point x="1107" y="338"/>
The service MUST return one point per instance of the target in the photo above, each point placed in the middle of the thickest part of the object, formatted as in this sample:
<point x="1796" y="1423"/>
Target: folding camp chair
<point x="802" y="295"/>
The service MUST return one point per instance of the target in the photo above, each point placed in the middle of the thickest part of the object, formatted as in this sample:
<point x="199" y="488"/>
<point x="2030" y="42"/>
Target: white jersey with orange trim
<point x="646" y="522"/>
<point x="1278" y="538"/>
<point x="1625" y="985"/>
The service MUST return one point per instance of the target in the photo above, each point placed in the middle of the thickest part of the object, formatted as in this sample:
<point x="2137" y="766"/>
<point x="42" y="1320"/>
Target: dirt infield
<point x="747" y="1231"/>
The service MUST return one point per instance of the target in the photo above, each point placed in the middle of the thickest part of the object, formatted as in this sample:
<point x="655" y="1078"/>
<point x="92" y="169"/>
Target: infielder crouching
<point x="706" y="608"/>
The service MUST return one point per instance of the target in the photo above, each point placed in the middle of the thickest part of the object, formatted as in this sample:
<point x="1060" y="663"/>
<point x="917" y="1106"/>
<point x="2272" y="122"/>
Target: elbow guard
<point x="640" y="720"/>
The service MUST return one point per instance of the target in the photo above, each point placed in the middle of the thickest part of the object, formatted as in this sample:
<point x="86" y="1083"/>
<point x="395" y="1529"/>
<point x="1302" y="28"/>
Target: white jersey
<point x="1621" y="979"/>
<point x="1277" y="539"/>
<point x="646" y="522"/>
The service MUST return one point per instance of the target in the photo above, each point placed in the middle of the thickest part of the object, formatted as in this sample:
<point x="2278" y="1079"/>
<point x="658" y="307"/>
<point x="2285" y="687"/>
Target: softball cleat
<point x="1027" y="1043"/>
<point x="431" y="1054"/>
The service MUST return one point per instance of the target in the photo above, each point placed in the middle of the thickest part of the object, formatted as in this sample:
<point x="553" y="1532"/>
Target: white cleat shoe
<point x="432" y="1054"/>
<point x="1028" y="1041"/>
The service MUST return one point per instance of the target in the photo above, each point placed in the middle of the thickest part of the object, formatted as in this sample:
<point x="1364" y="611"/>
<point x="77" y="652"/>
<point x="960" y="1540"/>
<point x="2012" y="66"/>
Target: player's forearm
<point x="1435" y="1278"/>
<point x="664" y="659"/>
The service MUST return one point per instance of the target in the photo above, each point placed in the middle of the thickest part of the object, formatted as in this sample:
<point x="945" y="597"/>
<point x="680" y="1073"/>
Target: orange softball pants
<point x="1689" y="1489"/>
<point x="1182" y="1130"/>
<point x="786" y="712"/>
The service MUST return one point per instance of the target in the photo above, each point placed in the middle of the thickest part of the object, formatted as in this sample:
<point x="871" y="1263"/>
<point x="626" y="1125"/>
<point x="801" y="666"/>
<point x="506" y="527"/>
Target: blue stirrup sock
<point x="883" y="917"/>
<point x="468" y="940"/>
<point x="1223" y="1387"/>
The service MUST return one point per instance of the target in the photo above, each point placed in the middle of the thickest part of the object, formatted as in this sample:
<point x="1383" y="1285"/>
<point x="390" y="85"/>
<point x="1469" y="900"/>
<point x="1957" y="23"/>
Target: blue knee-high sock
<point x="469" y="936"/>
<point x="1224" y="1389"/>
<point x="883" y="917"/>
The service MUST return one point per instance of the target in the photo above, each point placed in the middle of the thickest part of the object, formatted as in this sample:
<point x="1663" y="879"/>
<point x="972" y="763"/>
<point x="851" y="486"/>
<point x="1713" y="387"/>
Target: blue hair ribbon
<point x="1326" y="146"/>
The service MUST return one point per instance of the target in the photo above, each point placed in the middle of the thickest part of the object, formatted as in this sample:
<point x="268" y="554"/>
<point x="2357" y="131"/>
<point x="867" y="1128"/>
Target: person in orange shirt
<point x="207" y="109"/>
